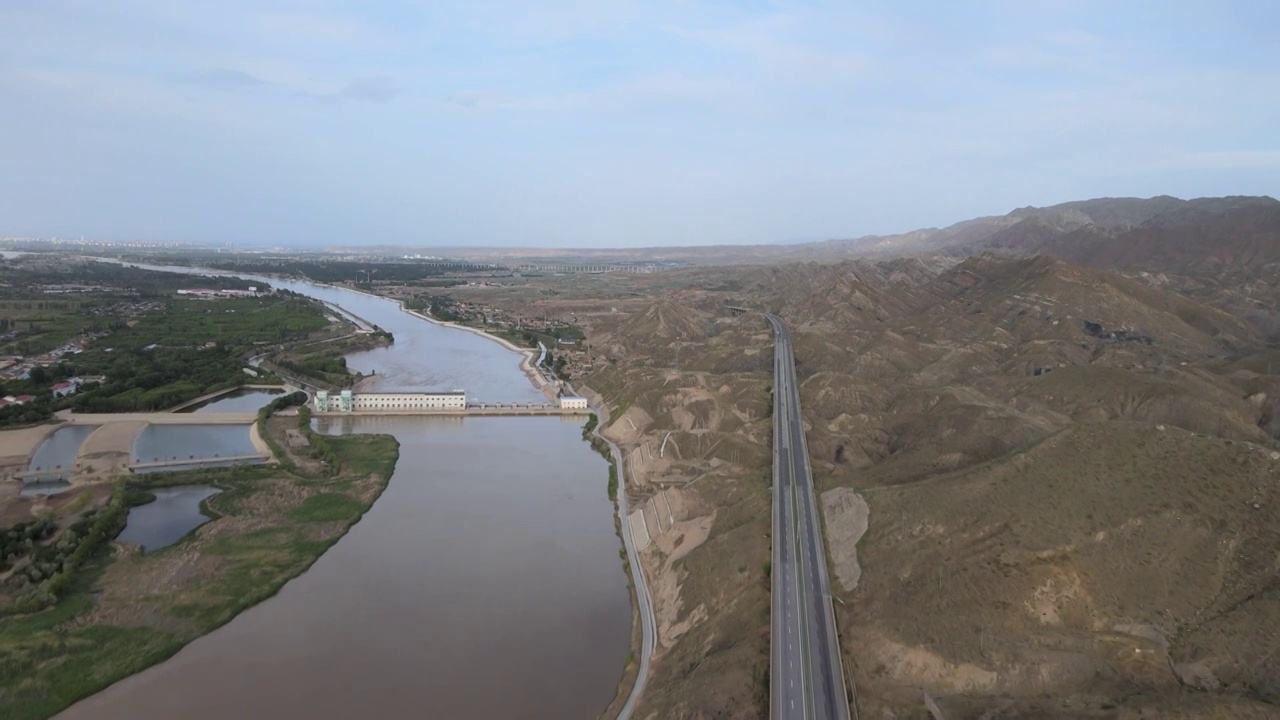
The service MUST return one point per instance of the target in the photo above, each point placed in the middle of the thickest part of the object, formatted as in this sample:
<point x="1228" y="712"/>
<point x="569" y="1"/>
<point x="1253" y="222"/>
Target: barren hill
<point x="1069" y="474"/>
<point x="1109" y="566"/>
<point x="661" y="323"/>
<point x="1160" y="233"/>
<point x="971" y="416"/>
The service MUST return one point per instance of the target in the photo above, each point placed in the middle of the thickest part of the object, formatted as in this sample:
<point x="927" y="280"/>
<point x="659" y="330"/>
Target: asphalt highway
<point x="806" y="679"/>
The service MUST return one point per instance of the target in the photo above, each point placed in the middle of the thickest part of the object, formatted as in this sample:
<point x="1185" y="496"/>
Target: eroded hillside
<point x="1049" y="489"/>
<point x="689" y="392"/>
<point x="1072" y="492"/>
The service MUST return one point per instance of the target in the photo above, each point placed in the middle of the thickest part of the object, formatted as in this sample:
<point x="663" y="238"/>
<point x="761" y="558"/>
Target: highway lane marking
<point x="798" y="574"/>
<point x="800" y="537"/>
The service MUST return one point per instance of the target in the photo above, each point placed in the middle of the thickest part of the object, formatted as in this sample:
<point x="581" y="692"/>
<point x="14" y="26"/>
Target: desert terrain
<point x="1049" y="485"/>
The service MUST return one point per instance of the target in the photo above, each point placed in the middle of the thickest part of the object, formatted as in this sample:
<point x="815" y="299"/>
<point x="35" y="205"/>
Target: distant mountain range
<point x="1162" y="233"/>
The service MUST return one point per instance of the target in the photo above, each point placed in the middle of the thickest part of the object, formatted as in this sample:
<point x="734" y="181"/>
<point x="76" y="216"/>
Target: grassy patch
<point x="275" y="524"/>
<point x="55" y="668"/>
<point x="364" y="458"/>
<point x="47" y="663"/>
<point x="327" y="507"/>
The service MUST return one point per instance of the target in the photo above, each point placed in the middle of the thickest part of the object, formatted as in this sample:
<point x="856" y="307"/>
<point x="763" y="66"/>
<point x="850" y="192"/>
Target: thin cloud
<point x="319" y="30"/>
<point x="738" y="121"/>
<point x="778" y="46"/>
<point x="222" y="79"/>
<point x="481" y="100"/>
<point x="377" y="89"/>
<point x="661" y="91"/>
<point x="380" y="90"/>
<point x="1232" y="160"/>
<point x="476" y="100"/>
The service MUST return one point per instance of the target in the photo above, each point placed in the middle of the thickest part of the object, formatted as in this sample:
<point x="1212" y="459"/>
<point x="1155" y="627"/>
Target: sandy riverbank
<point x="260" y="443"/>
<point x="528" y="356"/>
<point x="366" y="383"/>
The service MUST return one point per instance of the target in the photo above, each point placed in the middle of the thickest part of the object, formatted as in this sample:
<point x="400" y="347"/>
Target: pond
<point x="166" y="520"/>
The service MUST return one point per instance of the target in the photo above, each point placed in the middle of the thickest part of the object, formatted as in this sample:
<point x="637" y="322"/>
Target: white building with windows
<point x="347" y="401"/>
<point x="572" y="402"/>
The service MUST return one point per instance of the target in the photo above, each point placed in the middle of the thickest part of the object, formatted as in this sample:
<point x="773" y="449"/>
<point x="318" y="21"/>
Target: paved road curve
<point x="648" y="623"/>
<point x="806" y="680"/>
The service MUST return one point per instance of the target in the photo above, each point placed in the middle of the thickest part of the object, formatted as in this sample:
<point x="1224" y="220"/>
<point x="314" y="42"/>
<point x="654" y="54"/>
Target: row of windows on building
<point x="347" y="401"/>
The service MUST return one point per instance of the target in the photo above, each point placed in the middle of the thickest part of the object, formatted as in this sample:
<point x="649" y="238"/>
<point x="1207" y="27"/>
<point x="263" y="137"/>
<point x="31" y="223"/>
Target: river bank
<point x="636" y="672"/>
<point x="207" y="397"/>
<point x="125" y="611"/>
<point x="573" y="605"/>
<point x="528" y="356"/>
<point x="643" y="634"/>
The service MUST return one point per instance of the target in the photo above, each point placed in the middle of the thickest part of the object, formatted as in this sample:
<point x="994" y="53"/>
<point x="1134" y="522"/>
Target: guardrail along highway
<point x="806" y="679"/>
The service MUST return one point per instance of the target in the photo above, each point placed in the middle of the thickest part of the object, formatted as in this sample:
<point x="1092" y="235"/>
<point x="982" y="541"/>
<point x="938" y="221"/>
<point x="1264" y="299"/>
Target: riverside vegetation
<point x="601" y="446"/>
<point x="78" y="613"/>
<point x="151" y="348"/>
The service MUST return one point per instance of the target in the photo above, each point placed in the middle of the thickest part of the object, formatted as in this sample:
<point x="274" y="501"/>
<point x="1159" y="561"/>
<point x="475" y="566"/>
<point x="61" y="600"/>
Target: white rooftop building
<point x="347" y="401"/>
<point x="572" y="402"/>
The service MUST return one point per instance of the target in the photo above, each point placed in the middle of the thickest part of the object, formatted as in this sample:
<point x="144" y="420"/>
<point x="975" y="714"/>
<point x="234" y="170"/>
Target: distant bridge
<point x="584" y="269"/>
<point x="550" y="268"/>
<point x="161" y="418"/>
<point x="476" y="409"/>
<point x="197" y="462"/>
<point x="41" y="476"/>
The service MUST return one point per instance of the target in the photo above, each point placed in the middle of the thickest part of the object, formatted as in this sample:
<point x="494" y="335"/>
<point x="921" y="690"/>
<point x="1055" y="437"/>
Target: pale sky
<point x="654" y="122"/>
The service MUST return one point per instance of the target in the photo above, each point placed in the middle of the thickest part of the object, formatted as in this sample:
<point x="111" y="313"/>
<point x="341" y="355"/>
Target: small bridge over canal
<point x="194" y="462"/>
<point x="109" y="448"/>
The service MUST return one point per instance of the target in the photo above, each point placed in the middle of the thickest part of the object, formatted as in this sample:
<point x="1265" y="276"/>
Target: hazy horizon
<point x="615" y="123"/>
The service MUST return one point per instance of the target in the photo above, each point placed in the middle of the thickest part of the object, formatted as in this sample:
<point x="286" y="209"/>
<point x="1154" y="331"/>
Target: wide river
<point x="485" y="582"/>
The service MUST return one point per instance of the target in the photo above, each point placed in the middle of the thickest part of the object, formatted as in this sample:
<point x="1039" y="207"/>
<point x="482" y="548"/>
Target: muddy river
<point x="486" y="582"/>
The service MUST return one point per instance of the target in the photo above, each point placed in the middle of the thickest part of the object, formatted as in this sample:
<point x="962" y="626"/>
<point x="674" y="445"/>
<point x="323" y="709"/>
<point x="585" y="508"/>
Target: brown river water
<point x="486" y="582"/>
